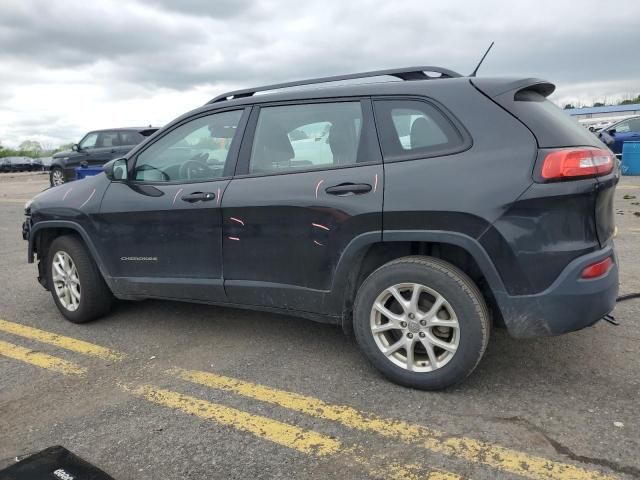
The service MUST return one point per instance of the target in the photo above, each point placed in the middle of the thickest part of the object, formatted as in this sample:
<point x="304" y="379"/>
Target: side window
<point x="130" y="137"/>
<point x="623" y="127"/>
<point x="634" y="125"/>
<point x="196" y="150"/>
<point x="317" y="135"/>
<point x="89" y="141"/>
<point x="411" y="128"/>
<point x="107" y="139"/>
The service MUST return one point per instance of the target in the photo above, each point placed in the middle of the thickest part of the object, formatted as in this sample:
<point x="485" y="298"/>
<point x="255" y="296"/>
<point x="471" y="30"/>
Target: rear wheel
<point x="422" y="322"/>
<point x="56" y="177"/>
<point x="77" y="287"/>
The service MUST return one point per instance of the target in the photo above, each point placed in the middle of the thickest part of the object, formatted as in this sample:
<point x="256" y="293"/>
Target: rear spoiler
<point x="496" y="87"/>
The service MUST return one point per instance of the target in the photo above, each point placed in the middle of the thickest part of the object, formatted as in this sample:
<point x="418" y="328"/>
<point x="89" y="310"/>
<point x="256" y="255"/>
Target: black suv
<point x="417" y="213"/>
<point x="94" y="150"/>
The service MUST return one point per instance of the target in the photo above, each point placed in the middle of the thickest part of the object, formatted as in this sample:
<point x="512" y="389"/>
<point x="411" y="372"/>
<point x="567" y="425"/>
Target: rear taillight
<point x="577" y="162"/>
<point x="597" y="269"/>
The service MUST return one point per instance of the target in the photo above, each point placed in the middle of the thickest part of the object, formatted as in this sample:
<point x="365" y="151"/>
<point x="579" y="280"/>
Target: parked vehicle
<point x="15" y="164"/>
<point x="615" y="135"/>
<point x="498" y="211"/>
<point x="35" y="165"/>
<point x="95" y="149"/>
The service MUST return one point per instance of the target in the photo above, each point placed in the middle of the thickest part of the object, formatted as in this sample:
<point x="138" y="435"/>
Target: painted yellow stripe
<point x="290" y="436"/>
<point x="61" y="341"/>
<point x="468" y="449"/>
<point x="40" y="359"/>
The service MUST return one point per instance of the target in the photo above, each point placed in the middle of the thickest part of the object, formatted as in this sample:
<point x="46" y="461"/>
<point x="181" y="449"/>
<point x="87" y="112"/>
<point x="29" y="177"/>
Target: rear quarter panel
<point x="468" y="191"/>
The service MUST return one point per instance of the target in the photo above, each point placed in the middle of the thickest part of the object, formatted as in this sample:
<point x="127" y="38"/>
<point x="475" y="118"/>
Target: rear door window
<point x="299" y="137"/>
<point x="413" y="129"/>
<point x="108" y="139"/>
<point x="130" y="137"/>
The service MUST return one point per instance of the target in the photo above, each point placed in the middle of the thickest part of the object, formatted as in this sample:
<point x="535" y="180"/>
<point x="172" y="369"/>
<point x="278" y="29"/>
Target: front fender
<point x="39" y="227"/>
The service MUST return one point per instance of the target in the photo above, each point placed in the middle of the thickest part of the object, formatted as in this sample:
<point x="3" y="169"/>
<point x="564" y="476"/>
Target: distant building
<point x="600" y="117"/>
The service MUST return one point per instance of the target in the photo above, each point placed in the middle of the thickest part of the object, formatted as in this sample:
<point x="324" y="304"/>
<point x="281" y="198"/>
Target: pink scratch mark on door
<point x="218" y="198"/>
<point x="67" y="193"/>
<point x="318" y="186"/>
<point x="375" y="184"/>
<point x="318" y="243"/>
<point x="87" y="200"/>
<point x="234" y="238"/>
<point x="237" y="220"/>
<point x="176" y="196"/>
<point x="323" y="227"/>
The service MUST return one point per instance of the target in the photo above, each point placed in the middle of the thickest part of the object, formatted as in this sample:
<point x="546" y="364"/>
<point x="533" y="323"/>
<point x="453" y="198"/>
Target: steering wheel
<point x="195" y="165"/>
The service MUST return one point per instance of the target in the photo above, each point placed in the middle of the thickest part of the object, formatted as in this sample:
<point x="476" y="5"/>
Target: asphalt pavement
<point x="179" y="391"/>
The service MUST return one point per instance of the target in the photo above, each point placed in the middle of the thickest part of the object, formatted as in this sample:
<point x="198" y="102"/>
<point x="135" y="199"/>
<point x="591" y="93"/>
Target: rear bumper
<point x="570" y="303"/>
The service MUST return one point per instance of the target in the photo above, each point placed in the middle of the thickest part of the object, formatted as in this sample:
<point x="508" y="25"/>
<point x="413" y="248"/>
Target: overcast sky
<point x="69" y="66"/>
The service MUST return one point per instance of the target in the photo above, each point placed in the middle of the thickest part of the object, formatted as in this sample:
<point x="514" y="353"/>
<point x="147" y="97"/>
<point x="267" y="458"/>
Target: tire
<point x="459" y="303"/>
<point x="94" y="297"/>
<point x="56" y="176"/>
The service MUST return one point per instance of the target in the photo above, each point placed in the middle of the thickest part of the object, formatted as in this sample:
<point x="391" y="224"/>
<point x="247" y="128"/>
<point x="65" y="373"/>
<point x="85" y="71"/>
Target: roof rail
<point x="407" y="73"/>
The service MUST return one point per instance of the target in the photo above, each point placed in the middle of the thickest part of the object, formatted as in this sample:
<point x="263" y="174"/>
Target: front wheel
<point x="77" y="287"/>
<point x="421" y="322"/>
<point x="56" y="177"/>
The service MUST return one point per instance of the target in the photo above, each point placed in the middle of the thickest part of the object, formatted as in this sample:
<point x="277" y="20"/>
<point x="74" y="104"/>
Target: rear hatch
<point x="567" y="152"/>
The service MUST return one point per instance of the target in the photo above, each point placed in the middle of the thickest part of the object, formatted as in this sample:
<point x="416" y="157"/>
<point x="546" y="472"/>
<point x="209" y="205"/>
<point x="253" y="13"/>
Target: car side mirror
<point x="75" y="147"/>
<point x="612" y="132"/>
<point x="117" y="169"/>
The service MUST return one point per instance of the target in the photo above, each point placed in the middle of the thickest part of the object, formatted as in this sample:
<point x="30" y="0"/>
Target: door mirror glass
<point x="117" y="169"/>
<point x="75" y="147"/>
<point x="611" y="132"/>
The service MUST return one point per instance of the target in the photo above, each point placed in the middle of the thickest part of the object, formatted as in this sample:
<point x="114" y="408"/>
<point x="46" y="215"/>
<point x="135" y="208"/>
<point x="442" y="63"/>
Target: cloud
<point x="109" y="63"/>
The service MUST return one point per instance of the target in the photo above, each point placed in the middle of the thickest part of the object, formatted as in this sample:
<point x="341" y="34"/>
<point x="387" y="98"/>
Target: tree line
<point x="32" y="149"/>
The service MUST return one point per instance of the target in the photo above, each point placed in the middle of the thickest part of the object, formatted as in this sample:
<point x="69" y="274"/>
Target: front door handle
<point x="349" y="189"/>
<point x="198" y="197"/>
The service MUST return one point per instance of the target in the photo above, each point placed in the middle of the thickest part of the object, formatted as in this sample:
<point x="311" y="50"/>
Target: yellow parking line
<point x="290" y="436"/>
<point x="468" y="449"/>
<point x="61" y="341"/>
<point x="40" y="359"/>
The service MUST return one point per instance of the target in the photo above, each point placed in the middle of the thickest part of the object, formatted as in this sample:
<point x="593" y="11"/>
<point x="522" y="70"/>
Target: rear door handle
<point x="198" y="197"/>
<point x="349" y="189"/>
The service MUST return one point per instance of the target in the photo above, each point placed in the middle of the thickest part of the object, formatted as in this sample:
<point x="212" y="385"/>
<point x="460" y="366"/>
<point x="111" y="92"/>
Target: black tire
<point x="54" y="171"/>
<point x="461" y="294"/>
<point x="95" y="297"/>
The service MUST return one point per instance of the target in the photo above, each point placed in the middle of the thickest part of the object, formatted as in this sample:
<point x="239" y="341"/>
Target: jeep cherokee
<point x="417" y="213"/>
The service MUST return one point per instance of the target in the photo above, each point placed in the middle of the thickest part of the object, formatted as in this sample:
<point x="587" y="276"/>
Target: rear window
<point x="413" y="129"/>
<point x="551" y="126"/>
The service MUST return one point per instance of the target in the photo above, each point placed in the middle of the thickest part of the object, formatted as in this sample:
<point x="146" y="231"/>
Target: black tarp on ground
<point x="53" y="463"/>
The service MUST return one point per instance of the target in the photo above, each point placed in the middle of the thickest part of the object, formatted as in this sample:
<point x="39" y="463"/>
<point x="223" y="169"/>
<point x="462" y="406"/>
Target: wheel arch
<point x="44" y="233"/>
<point x="365" y="255"/>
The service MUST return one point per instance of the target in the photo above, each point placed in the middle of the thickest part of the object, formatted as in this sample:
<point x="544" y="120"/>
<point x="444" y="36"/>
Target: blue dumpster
<point x="630" y="158"/>
<point x="84" y="172"/>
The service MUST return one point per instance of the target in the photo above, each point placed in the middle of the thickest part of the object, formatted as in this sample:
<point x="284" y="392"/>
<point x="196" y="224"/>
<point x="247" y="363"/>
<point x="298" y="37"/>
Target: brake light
<point x="577" y="162"/>
<point x="597" y="269"/>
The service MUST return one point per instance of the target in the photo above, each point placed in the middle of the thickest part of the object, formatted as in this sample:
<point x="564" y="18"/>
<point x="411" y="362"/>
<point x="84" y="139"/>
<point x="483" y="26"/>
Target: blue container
<point x="630" y="158"/>
<point x="84" y="172"/>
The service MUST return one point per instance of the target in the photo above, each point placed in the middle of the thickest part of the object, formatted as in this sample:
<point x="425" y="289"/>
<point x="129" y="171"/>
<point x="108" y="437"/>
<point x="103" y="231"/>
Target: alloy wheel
<point x="415" y="327"/>
<point x="56" y="177"/>
<point x="66" y="281"/>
